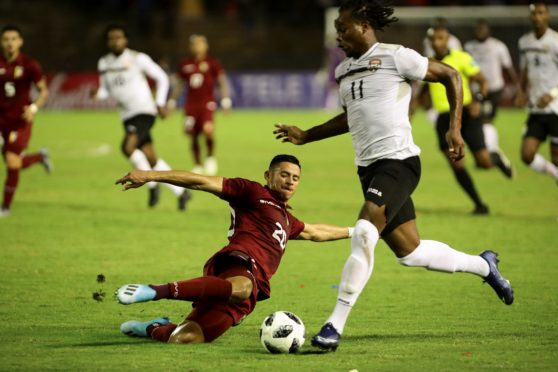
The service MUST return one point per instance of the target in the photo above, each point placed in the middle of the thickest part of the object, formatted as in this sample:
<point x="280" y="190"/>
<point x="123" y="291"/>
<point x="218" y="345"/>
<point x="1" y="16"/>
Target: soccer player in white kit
<point x="123" y="77"/>
<point x="375" y="91"/>
<point x="539" y="78"/>
<point x="493" y="58"/>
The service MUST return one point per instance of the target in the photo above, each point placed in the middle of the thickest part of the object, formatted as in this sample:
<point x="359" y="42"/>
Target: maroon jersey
<point x="200" y="78"/>
<point x="260" y="225"/>
<point x="16" y="79"/>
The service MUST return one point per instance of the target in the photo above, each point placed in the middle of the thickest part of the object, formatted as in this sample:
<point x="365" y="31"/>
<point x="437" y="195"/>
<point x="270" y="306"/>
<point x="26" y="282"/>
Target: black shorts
<point x="490" y="105"/>
<point x="141" y="125"/>
<point x="391" y="182"/>
<point x="471" y="130"/>
<point x="540" y="126"/>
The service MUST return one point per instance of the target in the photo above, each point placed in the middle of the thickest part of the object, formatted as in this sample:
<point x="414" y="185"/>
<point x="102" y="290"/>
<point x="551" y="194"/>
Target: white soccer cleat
<point x="197" y="169"/>
<point x="133" y="293"/>
<point x="46" y="162"/>
<point x="4" y="212"/>
<point x="210" y="166"/>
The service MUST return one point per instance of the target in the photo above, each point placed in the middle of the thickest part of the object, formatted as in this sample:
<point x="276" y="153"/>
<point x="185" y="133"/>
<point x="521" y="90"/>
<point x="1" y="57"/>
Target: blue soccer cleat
<point x="327" y="339"/>
<point x="135" y="328"/>
<point x="132" y="293"/>
<point x="501" y="286"/>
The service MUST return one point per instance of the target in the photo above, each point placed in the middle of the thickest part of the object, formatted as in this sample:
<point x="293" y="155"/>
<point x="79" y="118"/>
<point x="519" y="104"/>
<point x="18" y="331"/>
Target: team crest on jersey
<point x="203" y="66"/>
<point x="374" y="64"/>
<point x="2" y="71"/>
<point x="18" y="72"/>
<point x="189" y="68"/>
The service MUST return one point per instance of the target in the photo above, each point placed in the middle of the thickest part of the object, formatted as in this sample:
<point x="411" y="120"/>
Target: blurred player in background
<point x="201" y="73"/>
<point x="539" y="79"/>
<point x="493" y="58"/>
<point x="453" y="41"/>
<point x="18" y="73"/>
<point x="471" y="128"/>
<point x="375" y="89"/>
<point x="237" y="276"/>
<point x="123" y="74"/>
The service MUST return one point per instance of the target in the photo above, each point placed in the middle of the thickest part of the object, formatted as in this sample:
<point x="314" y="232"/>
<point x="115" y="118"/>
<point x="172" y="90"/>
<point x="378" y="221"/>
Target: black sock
<point x="466" y="183"/>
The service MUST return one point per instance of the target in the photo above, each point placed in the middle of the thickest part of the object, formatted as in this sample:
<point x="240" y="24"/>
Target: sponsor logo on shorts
<point x="374" y="191"/>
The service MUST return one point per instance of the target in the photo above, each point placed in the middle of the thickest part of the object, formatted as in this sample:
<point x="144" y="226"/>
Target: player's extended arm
<point x="333" y="127"/>
<point x="439" y="72"/>
<point x="30" y="110"/>
<point x="226" y="102"/>
<point x="480" y="79"/>
<point x="155" y="72"/>
<point x="189" y="180"/>
<point x="324" y="233"/>
<point x="521" y="96"/>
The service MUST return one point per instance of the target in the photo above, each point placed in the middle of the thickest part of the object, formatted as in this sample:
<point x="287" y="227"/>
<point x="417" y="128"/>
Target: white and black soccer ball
<point x="282" y="332"/>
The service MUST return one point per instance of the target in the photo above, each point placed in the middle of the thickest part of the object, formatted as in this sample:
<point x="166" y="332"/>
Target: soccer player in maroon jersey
<point x="201" y="72"/>
<point x="237" y="276"/>
<point x="18" y="73"/>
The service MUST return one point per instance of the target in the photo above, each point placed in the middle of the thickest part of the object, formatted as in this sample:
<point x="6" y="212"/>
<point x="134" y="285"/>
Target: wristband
<point x="351" y="230"/>
<point x="33" y="108"/>
<point x="226" y="103"/>
<point x="554" y="92"/>
<point x="171" y="104"/>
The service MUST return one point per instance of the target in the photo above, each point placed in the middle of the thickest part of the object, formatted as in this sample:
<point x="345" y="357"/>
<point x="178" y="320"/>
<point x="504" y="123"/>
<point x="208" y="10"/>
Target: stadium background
<point x="69" y="227"/>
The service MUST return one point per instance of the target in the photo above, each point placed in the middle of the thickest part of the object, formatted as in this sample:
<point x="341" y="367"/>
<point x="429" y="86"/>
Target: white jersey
<point x="375" y="89"/>
<point x="123" y="78"/>
<point x="540" y="58"/>
<point x="453" y="43"/>
<point x="492" y="56"/>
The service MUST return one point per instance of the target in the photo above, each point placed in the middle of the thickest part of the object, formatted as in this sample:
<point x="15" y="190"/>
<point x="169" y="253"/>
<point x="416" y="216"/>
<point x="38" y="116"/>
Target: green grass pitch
<point x="68" y="227"/>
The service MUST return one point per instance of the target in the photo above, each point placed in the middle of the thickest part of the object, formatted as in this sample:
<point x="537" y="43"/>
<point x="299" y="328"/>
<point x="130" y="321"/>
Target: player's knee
<point x="484" y="163"/>
<point x="242" y="288"/>
<point x="187" y="333"/>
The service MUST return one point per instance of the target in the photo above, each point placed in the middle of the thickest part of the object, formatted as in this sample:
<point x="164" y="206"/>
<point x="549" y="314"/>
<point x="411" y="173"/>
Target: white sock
<point x="356" y="272"/>
<point x="490" y="137"/>
<point x="163" y="166"/>
<point x="139" y="161"/>
<point x="438" y="256"/>
<point x="541" y="165"/>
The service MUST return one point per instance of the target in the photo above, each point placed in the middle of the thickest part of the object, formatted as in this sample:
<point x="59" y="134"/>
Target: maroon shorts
<point x="216" y="317"/>
<point x="196" y="117"/>
<point x="15" y="137"/>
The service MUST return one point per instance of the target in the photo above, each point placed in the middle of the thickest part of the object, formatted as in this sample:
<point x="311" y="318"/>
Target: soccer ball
<point x="282" y="332"/>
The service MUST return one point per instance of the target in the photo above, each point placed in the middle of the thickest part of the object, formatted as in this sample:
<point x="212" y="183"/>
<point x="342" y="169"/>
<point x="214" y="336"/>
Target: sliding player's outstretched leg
<point x="135" y="328"/>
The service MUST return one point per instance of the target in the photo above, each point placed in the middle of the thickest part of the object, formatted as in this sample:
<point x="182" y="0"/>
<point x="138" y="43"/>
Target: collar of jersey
<point x="367" y="53"/>
<point x="274" y="195"/>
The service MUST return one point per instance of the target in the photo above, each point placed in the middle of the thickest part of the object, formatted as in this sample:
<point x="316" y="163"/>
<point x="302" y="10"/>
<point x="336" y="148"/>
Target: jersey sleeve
<point x="297" y="226"/>
<point x="155" y="72"/>
<point x="36" y="71"/>
<point x="469" y="65"/>
<point x="238" y="189"/>
<point x="410" y="64"/>
<point x="217" y="67"/>
<point x="505" y="57"/>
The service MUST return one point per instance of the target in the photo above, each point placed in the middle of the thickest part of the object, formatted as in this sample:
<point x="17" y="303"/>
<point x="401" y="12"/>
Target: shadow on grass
<point x="135" y="342"/>
<point x="461" y="212"/>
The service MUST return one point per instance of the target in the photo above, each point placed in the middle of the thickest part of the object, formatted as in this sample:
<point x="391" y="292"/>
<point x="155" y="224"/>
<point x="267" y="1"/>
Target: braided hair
<point x="376" y="12"/>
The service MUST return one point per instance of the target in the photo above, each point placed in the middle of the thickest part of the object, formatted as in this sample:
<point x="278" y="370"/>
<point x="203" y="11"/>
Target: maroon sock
<point x="29" y="160"/>
<point x="10" y="187"/>
<point x="162" y="332"/>
<point x="205" y="288"/>
<point x="210" y="145"/>
<point x="196" y="150"/>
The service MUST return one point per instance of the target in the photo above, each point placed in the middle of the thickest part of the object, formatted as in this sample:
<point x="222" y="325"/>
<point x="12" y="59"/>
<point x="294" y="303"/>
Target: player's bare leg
<point x="466" y="182"/>
<point x="210" y="164"/>
<point x="356" y="273"/>
<point x="13" y="165"/>
<point x="139" y="160"/>
<point x="482" y="159"/>
<point x="497" y="156"/>
<point x="433" y="255"/>
<point x="188" y="332"/>
<point x="159" y="164"/>
<point x="531" y="157"/>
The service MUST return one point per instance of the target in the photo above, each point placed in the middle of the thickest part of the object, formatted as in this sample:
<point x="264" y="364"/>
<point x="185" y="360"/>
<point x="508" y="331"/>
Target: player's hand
<point x="544" y="100"/>
<point x="163" y="112"/>
<point x="456" y="144"/>
<point x="520" y="99"/>
<point x="28" y="113"/>
<point x="290" y="133"/>
<point x="475" y="109"/>
<point x="133" y="180"/>
<point x="93" y="93"/>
